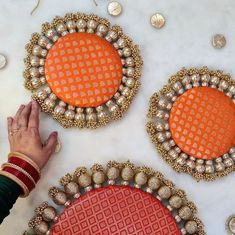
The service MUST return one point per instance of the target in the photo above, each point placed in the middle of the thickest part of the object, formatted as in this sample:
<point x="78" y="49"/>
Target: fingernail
<point x="22" y="106"/>
<point x="55" y="133"/>
<point x="34" y="103"/>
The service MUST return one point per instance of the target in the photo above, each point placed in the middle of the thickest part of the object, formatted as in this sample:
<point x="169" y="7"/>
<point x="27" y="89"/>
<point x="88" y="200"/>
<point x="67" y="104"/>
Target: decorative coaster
<point x="193" y="123"/>
<point x="82" y="71"/>
<point x="123" y="199"/>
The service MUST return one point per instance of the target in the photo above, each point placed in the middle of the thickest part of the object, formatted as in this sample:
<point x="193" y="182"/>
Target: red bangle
<point x="26" y="166"/>
<point x="21" y="176"/>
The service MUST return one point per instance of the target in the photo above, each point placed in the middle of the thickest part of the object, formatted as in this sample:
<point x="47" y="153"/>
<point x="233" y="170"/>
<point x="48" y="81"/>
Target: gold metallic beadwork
<point x="139" y="176"/>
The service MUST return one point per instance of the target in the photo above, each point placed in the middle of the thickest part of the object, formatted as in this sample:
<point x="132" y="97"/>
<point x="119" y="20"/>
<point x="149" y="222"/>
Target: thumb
<point x="51" y="142"/>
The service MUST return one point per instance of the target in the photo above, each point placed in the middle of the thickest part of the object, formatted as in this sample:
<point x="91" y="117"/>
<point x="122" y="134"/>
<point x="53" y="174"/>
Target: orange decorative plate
<point x="82" y="71"/>
<point x="194" y="126"/>
<point x="141" y="201"/>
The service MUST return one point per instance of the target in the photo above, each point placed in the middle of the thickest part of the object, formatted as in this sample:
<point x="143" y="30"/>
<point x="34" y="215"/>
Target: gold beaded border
<point x="141" y="177"/>
<point x="116" y="110"/>
<point x="153" y="107"/>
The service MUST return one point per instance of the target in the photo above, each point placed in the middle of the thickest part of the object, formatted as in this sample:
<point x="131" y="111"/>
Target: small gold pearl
<point x="114" y="8"/>
<point x="231" y="224"/>
<point x="157" y="20"/>
<point x="218" y="41"/>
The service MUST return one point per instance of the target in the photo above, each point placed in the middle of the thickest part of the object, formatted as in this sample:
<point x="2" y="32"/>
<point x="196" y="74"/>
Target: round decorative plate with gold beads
<point x="193" y="123"/>
<point x="82" y="71"/>
<point x="121" y="199"/>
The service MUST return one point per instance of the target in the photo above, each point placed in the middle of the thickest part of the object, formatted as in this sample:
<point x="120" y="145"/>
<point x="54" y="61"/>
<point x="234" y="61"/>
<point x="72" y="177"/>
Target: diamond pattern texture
<point x="116" y="210"/>
<point x="83" y="69"/>
<point x="202" y="122"/>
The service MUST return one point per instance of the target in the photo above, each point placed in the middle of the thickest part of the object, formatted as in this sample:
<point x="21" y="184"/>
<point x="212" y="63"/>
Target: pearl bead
<point x="159" y="126"/>
<point x="34" y="61"/>
<point x="34" y="72"/>
<point x="37" y="50"/>
<point x="59" y="110"/>
<point x="50" y="103"/>
<point x="126" y="91"/>
<point x="42" y="94"/>
<point x="61" y="28"/>
<point x="35" y="82"/>
<point x="173" y="154"/>
<point x="219" y="166"/>
<point x="121" y="42"/>
<point x="80" y="117"/>
<point x="81" y="25"/>
<point x="84" y="180"/>
<point x="228" y="162"/>
<point x="126" y="51"/>
<point x="205" y="78"/>
<point x="161" y="137"/>
<point x="191" y="227"/>
<point x="191" y="164"/>
<point x="166" y="146"/>
<point x="71" y="188"/>
<point x="186" y="80"/>
<point x="188" y="86"/>
<point x="154" y="183"/>
<point x="223" y="85"/>
<point x="51" y="33"/>
<point x="113" y="35"/>
<point x="60" y="198"/>
<point x="161" y="114"/>
<point x="130" y="82"/>
<point x="98" y="177"/>
<point x="113" y="108"/>
<point x="164" y="192"/>
<point x="49" y="214"/>
<point x="127" y="173"/>
<point x="176" y="201"/>
<point x="178" y="87"/>
<point x="71" y="26"/>
<point x="141" y="178"/>
<point x="121" y="100"/>
<point x="69" y="114"/>
<point x="91" y="117"/>
<point x="195" y="78"/>
<point x="209" y="169"/>
<point x="180" y="161"/>
<point x="185" y="212"/>
<point x="43" y="41"/>
<point x="102" y="29"/>
<point x="92" y="24"/>
<point x="200" y="168"/>
<point x="41" y="70"/>
<point x="52" y="96"/>
<point x="113" y="173"/>
<point x="130" y="72"/>
<point x="130" y="61"/>
<point x="231" y="89"/>
<point x="170" y="94"/>
<point x="214" y="80"/>
<point x="41" y="228"/>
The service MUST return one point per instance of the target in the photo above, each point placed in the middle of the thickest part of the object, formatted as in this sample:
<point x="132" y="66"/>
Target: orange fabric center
<point x="202" y="123"/>
<point x="83" y="69"/>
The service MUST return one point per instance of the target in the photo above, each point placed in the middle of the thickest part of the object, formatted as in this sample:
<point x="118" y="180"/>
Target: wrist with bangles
<point x="22" y="170"/>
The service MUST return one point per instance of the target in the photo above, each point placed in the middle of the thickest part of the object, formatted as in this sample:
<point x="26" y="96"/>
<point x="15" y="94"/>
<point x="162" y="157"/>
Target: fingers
<point x="51" y="142"/>
<point x="16" y="117"/>
<point x="34" y="116"/>
<point x="9" y="124"/>
<point x="24" y="116"/>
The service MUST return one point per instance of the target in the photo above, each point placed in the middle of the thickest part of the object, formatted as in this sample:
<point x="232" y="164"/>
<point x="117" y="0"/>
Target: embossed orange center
<point x="83" y="69"/>
<point x="202" y="123"/>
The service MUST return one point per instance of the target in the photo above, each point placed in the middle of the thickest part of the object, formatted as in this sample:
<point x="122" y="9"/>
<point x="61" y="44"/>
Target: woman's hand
<point x="24" y="136"/>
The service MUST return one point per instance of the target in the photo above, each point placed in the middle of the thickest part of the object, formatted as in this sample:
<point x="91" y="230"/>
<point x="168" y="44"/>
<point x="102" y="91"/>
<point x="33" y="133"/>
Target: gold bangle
<point x="19" y="169"/>
<point x="16" y="180"/>
<point x="26" y="158"/>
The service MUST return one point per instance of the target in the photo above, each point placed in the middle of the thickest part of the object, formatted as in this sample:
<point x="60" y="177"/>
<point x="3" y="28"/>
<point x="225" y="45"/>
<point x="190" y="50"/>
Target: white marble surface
<point x="184" y="41"/>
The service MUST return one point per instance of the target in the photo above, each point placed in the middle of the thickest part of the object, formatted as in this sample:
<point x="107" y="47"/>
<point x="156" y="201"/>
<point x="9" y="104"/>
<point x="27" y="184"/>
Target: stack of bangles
<point x="22" y="170"/>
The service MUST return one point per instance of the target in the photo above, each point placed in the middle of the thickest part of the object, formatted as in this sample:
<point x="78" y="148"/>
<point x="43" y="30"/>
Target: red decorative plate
<point x="82" y="71"/>
<point x="194" y="126"/>
<point x="124" y="200"/>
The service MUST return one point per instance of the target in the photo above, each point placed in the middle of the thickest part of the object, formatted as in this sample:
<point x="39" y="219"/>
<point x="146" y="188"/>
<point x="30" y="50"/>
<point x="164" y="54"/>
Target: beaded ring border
<point x="143" y="178"/>
<point x="160" y="106"/>
<point x="66" y="115"/>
